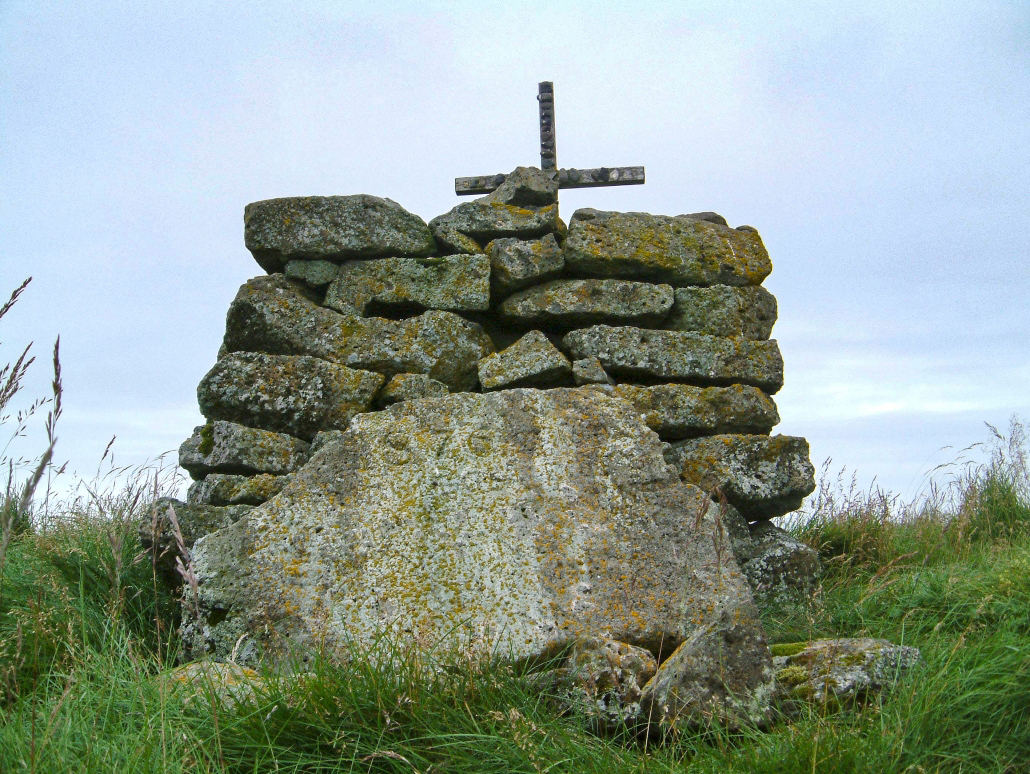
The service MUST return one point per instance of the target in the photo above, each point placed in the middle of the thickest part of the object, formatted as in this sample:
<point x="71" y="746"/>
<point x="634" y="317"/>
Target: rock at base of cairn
<point x="840" y="672"/>
<point x="762" y="476"/>
<point x="507" y="522"/>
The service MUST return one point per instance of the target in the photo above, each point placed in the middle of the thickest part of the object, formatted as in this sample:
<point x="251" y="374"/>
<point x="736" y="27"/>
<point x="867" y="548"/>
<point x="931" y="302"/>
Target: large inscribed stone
<point x="511" y="523"/>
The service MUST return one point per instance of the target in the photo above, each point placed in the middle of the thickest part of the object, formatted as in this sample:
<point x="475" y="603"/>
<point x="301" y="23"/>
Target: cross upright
<point x="567" y="178"/>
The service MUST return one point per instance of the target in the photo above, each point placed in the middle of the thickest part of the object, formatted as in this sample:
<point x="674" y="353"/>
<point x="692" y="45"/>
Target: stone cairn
<point x="367" y="316"/>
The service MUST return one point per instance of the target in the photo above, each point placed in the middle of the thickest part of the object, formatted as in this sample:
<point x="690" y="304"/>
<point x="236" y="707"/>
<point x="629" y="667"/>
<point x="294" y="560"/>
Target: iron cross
<point x="567" y="178"/>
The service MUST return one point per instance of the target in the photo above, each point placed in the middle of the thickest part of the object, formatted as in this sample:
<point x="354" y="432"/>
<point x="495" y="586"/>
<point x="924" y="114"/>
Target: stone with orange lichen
<point x="679" y="250"/>
<point x="456" y="283"/>
<point x="513" y="522"/>
<point x="722" y="310"/>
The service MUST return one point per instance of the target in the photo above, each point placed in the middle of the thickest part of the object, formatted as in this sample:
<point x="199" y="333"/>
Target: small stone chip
<point x="532" y="361"/>
<point x="317" y="274"/>
<point x="411" y="387"/>
<point x="589" y="371"/>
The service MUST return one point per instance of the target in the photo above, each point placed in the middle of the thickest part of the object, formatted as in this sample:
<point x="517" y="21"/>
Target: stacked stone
<point x="365" y="305"/>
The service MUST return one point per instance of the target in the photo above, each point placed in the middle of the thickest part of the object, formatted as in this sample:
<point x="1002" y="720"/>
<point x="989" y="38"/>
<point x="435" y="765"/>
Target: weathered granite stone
<point x="589" y="371"/>
<point x="763" y="477"/>
<point x="604" y="679"/>
<point x="294" y="394"/>
<point x="515" y="522"/>
<point x="515" y="264"/>
<point x="503" y="213"/>
<point x="721" y="676"/>
<point x="410" y="387"/>
<point x="722" y="310"/>
<point x="332" y="228"/>
<point x="677" y="250"/>
<point x="684" y="411"/>
<point x="158" y="533"/>
<point x="225" y="489"/>
<point x="225" y="447"/>
<point x="272" y="314"/>
<point x="457" y="283"/>
<point x="780" y="568"/>
<point x="316" y="274"/>
<point x="527" y="187"/>
<point x="679" y="356"/>
<point x="532" y="361"/>
<point x="840" y="672"/>
<point x="565" y="304"/>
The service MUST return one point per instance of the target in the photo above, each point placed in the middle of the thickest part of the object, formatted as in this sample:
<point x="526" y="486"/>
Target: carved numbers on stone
<point x="567" y="178"/>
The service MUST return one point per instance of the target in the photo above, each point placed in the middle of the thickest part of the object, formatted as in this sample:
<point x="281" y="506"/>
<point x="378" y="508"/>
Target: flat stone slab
<point x="411" y="387"/>
<point x="532" y="361"/>
<point x="679" y="356"/>
<point x="525" y="206"/>
<point x="514" y="522"/>
<point x="566" y="303"/>
<point x="222" y="489"/>
<point x="515" y="264"/>
<point x="456" y="283"/>
<point x="271" y="314"/>
<point x="295" y="394"/>
<point x="761" y="476"/>
<point x="471" y="225"/>
<point x="226" y="447"/>
<point x="332" y="228"/>
<point x="678" y="250"/>
<point x="722" y="310"/>
<point x="684" y="411"/>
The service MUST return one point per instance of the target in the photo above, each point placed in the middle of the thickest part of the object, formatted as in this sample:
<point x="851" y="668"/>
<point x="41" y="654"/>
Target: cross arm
<point x="567" y="178"/>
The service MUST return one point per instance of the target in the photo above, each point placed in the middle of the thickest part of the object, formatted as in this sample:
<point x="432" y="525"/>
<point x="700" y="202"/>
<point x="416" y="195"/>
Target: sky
<point x="881" y="150"/>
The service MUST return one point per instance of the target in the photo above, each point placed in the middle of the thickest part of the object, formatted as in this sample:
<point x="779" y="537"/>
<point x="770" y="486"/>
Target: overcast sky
<point x="880" y="149"/>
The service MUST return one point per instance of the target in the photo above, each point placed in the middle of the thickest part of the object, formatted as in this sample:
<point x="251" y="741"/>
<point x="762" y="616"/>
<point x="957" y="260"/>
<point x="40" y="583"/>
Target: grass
<point x="87" y="639"/>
